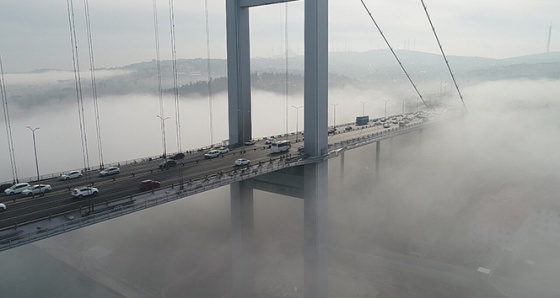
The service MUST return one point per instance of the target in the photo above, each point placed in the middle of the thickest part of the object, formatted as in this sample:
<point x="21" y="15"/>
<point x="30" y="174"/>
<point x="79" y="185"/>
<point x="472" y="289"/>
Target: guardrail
<point x="103" y="211"/>
<point x="108" y="210"/>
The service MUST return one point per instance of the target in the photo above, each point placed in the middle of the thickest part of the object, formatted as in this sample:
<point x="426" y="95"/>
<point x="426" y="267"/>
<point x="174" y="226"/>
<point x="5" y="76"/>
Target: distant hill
<point x="371" y="69"/>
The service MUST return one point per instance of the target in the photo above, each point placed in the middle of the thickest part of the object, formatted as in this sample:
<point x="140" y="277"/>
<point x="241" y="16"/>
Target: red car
<point x="149" y="184"/>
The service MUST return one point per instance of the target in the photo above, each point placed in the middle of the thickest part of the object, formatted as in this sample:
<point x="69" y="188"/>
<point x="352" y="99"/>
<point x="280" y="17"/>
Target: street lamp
<point x="35" y="149"/>
<point x="386" y="100"/>
<point x="363" y="107"/>
<point x="334" y="118"/>
<point x="297" y="120"/>
<point x="163" y="134"/>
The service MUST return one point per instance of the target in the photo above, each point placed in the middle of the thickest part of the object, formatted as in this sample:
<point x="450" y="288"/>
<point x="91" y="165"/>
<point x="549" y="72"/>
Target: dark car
<point x="178" y="156"/>
<point x="168" y="164"/>
<point x="149" y="184"/>
<point x="5" y="186"/>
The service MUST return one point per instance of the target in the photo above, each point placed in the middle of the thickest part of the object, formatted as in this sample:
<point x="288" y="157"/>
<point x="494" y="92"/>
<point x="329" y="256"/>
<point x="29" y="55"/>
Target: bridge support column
<point x="377" y="155"/>
<point x="239" y="77"/>
<point x="315" y="230"/>
<point x="242" y="240"/>
<point x="342" y="165"/>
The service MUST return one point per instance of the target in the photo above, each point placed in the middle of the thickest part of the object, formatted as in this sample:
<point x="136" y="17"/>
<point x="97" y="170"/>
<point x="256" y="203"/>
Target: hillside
<point x="372" y="69"/>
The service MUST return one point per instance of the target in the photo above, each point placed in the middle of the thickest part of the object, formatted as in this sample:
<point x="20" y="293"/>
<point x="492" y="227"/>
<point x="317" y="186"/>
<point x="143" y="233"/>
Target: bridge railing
<point x="108" y="210"/>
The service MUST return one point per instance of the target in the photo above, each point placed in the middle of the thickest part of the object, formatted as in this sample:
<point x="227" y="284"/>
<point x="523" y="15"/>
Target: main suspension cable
<point x="93" y="84"/>
<point x="442" y="53"/>
<point x="394" y="54"/>
<point x="286" y="58"/>
<point x="78" y="85"/>
<point x="209" y="73"/>
<point x="160" y="89"/>
<point x="8" y="125"/>
<point x="175" y="79"/>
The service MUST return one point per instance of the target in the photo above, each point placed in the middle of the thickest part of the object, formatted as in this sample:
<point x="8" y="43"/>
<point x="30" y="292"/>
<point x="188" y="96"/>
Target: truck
<point x="362" y="120"/>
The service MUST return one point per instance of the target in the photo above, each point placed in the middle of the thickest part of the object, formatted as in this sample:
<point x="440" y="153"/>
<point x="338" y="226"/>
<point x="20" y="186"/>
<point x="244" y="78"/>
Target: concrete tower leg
<point x="377" y="157"/>
<point x="239" y="77"/>
<point x="342" y="165"/>
<point x="242" y="240"/>
<point x="315" y="235"/>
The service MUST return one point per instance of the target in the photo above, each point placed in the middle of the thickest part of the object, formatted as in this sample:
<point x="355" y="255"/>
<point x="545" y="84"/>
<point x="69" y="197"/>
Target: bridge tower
<point x="314" y="176"/>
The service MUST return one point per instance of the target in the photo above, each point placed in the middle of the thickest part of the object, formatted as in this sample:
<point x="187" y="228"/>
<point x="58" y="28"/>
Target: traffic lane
<point x="126" y="183"/>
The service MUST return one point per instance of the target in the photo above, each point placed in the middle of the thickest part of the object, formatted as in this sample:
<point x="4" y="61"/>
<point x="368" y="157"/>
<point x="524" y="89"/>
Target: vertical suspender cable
<point x="93" y="85"/>
<point x="160" y="90"/>
<point x="77" y="79"/>
<point x="442" y="53"/>
<point x="209" y="71"/>
<point x="8" y="125"/>
<point x="286" y="57"/>
<point x="175" y="79"/>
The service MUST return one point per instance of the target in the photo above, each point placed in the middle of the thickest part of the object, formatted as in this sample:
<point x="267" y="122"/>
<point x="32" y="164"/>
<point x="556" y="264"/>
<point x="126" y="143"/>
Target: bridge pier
<point x="377" y="157"/>
<point x="315" y="175"/>
<point x="315" y="230"/>
<point x="342" y="165"/>
<point x="242" y="240"/>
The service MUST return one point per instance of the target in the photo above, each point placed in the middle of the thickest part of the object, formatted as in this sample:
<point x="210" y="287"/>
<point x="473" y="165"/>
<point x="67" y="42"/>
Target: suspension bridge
<point x="300" y="172"/>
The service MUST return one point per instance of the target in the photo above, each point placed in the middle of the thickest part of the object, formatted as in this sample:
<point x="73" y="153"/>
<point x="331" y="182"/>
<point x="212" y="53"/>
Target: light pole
<point x="163" y="134"/>
<point x="297" y="120"/>
<point x="35" y="149"/>
<point x="386" y="100"/>
<point x="363" y="107"/>
<point x="334" y="118"/>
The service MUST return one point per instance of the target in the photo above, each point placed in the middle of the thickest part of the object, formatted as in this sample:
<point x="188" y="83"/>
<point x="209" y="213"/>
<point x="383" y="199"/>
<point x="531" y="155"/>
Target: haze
<point x="477" y="192"/>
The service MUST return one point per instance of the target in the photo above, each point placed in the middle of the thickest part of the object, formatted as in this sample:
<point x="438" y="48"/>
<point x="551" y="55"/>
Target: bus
<point x="282" y="146"/>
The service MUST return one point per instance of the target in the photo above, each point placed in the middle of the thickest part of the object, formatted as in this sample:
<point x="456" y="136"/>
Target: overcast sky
<point x="34" y="34"/>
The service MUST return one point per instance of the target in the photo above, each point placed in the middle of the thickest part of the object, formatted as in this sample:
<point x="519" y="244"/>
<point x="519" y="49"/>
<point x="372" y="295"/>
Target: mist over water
<point x="130" y="129"/>
<point x="479" y="191"/>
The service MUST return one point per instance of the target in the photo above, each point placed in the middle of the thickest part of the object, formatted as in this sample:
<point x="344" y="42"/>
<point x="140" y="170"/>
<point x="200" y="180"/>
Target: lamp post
<point x="163" y="134"/>
<point x="386" y="100"/>
<point x="297" y="120"/>
<point x="334" y="118"/>
<point x="363" y="107"/>
<point x="35" y="149"/>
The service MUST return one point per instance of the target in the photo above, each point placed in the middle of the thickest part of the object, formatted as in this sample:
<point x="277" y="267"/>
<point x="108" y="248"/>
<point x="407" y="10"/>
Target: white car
<point x="84" y="191"/>
<point x="212" y="154"/>
<point x="2" y="207"/>
<point x="109" y="171"/>
<point x="242" y="162"/>
<point x="223" y="149"/>
<point x="36" y="190"/>
<point x="16" y="188"/>
<point x="71" y="175"/>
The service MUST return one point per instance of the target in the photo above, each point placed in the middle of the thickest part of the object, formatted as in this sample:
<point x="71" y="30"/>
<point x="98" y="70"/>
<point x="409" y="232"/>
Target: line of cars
<point x="215" y="152"/>
<point x="220" y="151"/>
<point x="27" y="189"/>
<point x="40" y="189"/>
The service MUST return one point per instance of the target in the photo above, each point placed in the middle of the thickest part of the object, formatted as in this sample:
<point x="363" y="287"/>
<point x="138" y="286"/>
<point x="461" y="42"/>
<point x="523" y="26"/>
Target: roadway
<point x="191" y="169"/>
